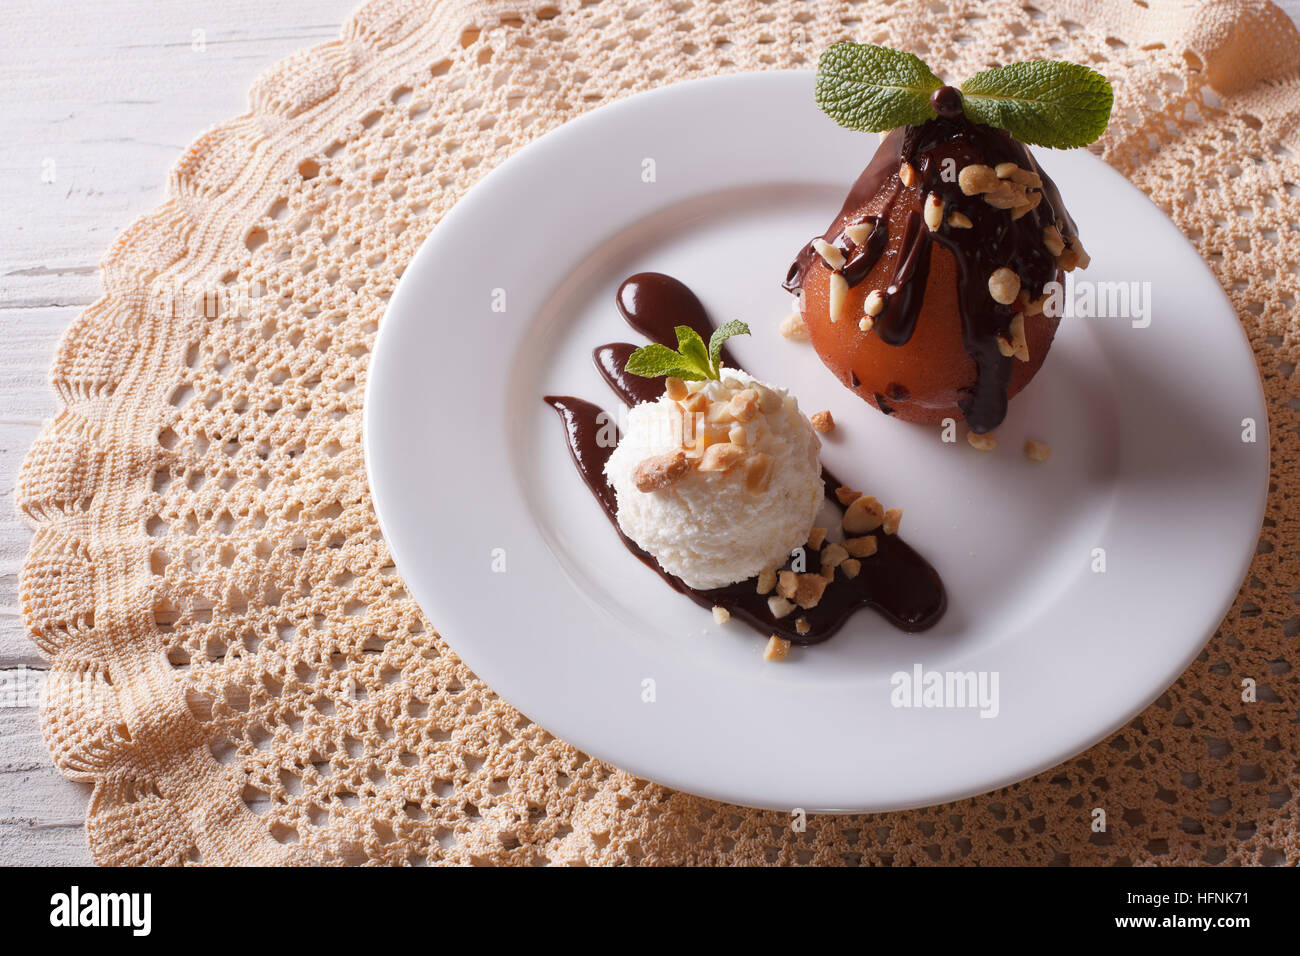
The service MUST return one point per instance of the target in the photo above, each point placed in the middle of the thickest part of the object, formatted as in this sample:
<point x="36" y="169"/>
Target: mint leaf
<point x="652" y="361"/>
<point x="692" y="362"/>
<point x="1044" y="102"/>
<point x="734" y="327"/>
<point x="874" y="88"/>
<point x="693" y="350"/>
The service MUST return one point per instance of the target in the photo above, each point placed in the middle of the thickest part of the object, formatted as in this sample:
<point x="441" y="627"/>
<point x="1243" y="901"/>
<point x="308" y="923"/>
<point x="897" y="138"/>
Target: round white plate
<point x="511" y="558"/>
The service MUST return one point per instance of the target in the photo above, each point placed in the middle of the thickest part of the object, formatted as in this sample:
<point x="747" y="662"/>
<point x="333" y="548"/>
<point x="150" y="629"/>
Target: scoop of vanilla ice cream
<point x="750" y="494"/>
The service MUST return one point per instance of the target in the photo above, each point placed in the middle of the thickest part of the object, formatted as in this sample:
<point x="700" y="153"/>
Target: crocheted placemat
<point x="235" y="664"/>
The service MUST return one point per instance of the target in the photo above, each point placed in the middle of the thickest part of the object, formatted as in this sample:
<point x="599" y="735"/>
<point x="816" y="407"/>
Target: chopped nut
<point x="833" y="555"/>
<point x="675" y="388"/>
<point x="1082" y="257"/>
<point x="768" y="400"/>
<point x="1020" y="345"/>
<point x="839" y="293"/>
<point x="863" y="515"/>
<point x="758" y="473"/>
<point x="1053" y="241"/>
<point x="1067" y="260"/>
<point x="697" y="402"/>
<point x="794" y="328"/>
<point x="720" y="614"/>
<point x="908" y="174"/>
<point x="828" y="572"/>
<point x="959" y="220"/>
<point x="1005" y="348"/>
<point x="779" y="606"/>
<point x="1004" y="285"/>
<point x="766" y="581"/>
<point x="810" y="590"/>
<point x="933" y="211"/>
<point x="744" y="405"/>
<point x="738" y="435"/>
<point x="822" y="422"/>
<point x="719" y="413"/>
<point x="777" y="648"/>
<point x="846" y="496"/>
<point x="802" y="626"/>
<point x="985" y="442"/>
<point x="1037" y="450"/>
<point x="1028" y="205"/>
<point x="815" y="538"/>
<point x="863" y="547"/>
<point x="830" y="255"/>
<point x="893" y="517"/>
<point x="977" y="178"/>
<point x="851" y="567"/>
<point x="1006" y="195"/>
<point x="787" y="582"/>
<point x="866" y="324"/>
<point x="860" y="232"/>
<point x="714" y="433"/>
<point x="660" y="471"/>
<point x="1027" y="177"/>
<point x="721" y="457"/>
<point x="874" y="304"/>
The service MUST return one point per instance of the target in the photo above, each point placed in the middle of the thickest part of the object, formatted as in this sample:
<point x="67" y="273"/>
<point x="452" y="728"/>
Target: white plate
<point x="1148" y="463"/>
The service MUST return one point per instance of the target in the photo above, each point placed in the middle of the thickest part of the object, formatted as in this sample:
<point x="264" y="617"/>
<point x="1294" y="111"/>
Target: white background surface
<point x="112" y="91"/>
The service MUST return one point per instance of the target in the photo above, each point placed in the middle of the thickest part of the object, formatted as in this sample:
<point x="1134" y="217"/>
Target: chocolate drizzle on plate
<point x="993" y="240"/>
<point x="896" y="581"/>
<point x="655" y="304"/>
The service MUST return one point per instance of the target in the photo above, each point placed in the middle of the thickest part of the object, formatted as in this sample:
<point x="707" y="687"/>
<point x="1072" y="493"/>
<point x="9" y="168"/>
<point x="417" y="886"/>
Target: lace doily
<point x="235" y="665"/>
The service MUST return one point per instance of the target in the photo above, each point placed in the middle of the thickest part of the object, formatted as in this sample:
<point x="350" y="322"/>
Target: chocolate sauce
<point x="634" y="389"/>
<point x="904" y="295"/>
<point x="994" y="240"/>
<point x="655" y="304"/>
<point x="883" y="165"/>
<point x="895" y="581"/>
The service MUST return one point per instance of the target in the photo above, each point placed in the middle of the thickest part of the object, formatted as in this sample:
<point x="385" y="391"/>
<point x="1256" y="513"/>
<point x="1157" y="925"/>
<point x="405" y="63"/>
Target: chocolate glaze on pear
<point x="940" y="344"/>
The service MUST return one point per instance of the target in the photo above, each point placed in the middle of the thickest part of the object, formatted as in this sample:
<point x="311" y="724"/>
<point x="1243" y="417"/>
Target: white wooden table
<point x="101" y="96"/>
<point x="97" y="99"/>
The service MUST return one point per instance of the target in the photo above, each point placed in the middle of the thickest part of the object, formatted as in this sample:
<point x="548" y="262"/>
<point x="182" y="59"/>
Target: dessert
<point x="718" y="479"/>
<point x="728" y="518"/>
<point x="929" y="295"/>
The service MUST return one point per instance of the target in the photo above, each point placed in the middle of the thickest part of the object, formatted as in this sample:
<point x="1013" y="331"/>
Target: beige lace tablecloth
<point x="236" y="666"/>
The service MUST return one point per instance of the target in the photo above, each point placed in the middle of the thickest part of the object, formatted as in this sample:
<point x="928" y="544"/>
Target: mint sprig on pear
<point x="874" y="88"/>
<point x="1041" y="102"/>
<point x="692" y="361"/>
<point x="1045" y="102"/>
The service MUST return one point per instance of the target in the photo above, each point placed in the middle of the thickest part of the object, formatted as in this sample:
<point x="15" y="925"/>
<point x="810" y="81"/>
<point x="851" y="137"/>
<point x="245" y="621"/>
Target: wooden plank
<point x="101" y="97"/>
<point x="41" y="812"/>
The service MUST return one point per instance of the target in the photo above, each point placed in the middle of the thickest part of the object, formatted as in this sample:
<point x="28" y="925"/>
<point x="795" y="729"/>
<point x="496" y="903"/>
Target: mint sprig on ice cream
<point x="1040" y="102"/>
<point x="692" y="361"/>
